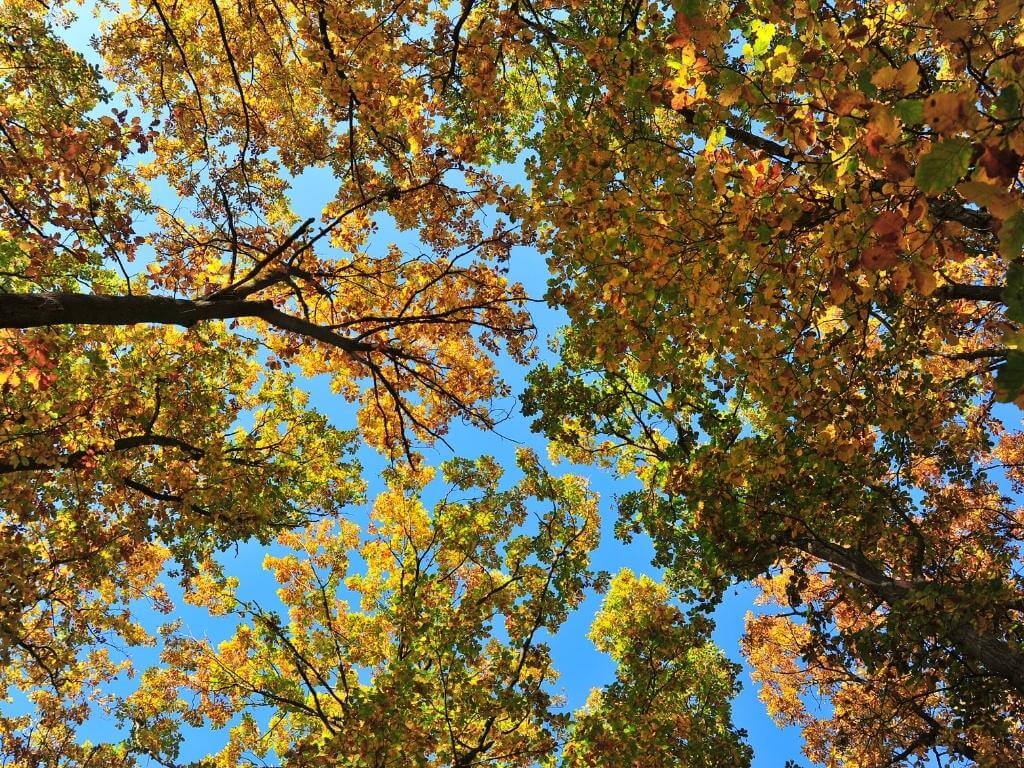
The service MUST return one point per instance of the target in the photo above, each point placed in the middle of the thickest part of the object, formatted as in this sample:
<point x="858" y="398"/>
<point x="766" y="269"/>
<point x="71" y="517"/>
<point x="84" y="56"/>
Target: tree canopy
<point x="789" y="241"/>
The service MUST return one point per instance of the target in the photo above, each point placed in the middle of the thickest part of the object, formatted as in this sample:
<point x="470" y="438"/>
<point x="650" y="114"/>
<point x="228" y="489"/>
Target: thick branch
<point x="36" y="310"/>
<point x="747" y="138"/>
<point x="74" y="459"/>
<point x="453" y="64"/>
<point x="971" y="292"/>
<point x="979" y="221"/>
<point x="980" y="354"/>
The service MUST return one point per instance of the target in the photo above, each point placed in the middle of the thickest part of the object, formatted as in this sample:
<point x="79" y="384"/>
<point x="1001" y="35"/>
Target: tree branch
<point x="36" y="310"/>
<point x="971" y="292"/>
<point x="74" y="459"/>
<point x="995" y="655"/>
<point x="747" y="138"/>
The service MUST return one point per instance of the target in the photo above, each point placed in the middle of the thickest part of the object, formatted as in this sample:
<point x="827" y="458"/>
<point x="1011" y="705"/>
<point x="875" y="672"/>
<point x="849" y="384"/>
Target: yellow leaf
<point x="884" y="78"/>
<point x="944" y="111"/>
<point x="908" y="77"/>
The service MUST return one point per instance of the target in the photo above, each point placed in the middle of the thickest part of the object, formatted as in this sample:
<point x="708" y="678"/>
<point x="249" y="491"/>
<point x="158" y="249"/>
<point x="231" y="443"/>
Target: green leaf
<point x="716" y="137"/>
<point x="1014" y="340"/>
<point x="1011" y="236"/>
<point x="865" y="85"/>
<point x="910" y="111"/>
<point x="943" y="166"/>
<point x="1013" y="294"/>
<point x="691" y="8"/>
<point x="1008" y="102"/>
<point x="763" y="34"/>
<point x="1010" y="377"/>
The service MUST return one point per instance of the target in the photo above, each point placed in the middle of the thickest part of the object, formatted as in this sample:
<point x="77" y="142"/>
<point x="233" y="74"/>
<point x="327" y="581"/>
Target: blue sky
<point x="581" y="666"/>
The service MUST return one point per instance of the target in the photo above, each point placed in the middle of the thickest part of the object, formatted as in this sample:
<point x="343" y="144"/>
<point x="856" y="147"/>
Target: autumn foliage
<point x="789" y="241"/>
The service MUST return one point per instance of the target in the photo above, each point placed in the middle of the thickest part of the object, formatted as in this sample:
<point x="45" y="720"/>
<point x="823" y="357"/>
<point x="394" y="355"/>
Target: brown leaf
<point x="1000" y="163"/>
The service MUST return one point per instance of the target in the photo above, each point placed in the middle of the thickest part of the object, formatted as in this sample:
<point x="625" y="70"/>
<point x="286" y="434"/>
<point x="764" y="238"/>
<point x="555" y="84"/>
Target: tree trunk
<point x="992" y="654"/>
